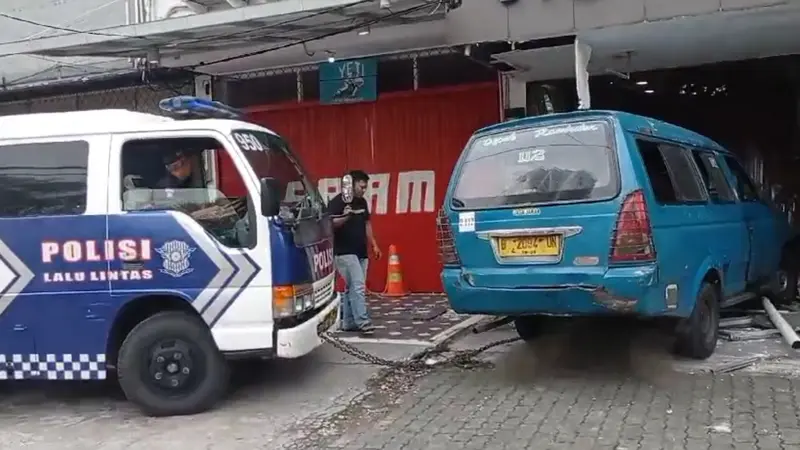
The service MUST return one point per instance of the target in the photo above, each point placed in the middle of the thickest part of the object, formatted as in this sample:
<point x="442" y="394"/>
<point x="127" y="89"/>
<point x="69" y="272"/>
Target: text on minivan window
<point x="533" y="155"/>
<point x="563" y="129"/>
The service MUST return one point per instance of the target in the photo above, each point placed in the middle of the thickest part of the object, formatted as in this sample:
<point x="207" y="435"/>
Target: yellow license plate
<point x="549" y="245"/>
<point x="328" y="321"/>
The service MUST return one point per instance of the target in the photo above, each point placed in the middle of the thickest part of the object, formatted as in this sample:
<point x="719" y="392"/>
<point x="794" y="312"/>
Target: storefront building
<point x="396" y="87"/>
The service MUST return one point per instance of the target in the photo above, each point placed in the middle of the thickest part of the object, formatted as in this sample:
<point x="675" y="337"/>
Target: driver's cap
<point x="171" y="157"/>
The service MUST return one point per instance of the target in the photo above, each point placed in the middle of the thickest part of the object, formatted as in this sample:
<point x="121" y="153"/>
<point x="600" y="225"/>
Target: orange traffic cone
<point x="395" y="287"/>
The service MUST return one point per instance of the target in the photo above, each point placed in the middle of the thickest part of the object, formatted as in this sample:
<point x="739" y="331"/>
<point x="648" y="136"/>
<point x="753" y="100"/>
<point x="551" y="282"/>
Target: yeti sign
<point x="348" y="81"/>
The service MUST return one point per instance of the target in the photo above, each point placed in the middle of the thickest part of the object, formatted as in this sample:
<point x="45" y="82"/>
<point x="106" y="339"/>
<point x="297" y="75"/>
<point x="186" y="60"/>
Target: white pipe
<point x="781" y="324"/>
<point x="237" y="3"/>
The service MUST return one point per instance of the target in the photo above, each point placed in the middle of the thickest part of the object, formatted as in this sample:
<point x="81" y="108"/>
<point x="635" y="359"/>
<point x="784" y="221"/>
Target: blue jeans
<point x="354" y="303"/>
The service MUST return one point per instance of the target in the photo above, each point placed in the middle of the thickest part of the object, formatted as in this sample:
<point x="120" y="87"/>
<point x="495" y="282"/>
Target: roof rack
<point x="187" y="107"/>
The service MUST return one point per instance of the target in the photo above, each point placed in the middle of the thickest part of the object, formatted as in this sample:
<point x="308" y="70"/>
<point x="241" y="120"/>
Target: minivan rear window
<point x="560" y="163"/>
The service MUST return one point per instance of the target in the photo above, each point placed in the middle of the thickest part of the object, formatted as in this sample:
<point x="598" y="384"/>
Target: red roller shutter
<point x="413" y="134"/>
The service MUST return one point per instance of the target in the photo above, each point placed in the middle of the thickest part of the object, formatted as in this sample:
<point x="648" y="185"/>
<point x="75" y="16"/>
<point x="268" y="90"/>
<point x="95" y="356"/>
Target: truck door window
<point x="714" y="179"/>
<point x="167" y="174"/>
<point x="43" y="179"/>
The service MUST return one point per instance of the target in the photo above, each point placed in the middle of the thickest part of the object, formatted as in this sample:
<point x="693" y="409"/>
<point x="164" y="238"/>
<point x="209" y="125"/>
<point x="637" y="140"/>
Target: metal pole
<point x="781" y="324"/>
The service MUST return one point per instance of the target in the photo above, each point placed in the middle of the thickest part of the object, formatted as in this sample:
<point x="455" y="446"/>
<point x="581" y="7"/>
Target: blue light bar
<point x="188" y="107"/>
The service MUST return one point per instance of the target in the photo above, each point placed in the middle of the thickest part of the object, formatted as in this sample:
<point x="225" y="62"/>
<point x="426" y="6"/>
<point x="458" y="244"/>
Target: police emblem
<point x="175" y="256"/>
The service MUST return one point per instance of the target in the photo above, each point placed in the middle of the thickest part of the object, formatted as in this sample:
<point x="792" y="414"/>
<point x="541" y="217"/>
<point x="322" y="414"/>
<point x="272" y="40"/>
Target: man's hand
<point x="347" y="210"/>
<point x="376" y="250"/>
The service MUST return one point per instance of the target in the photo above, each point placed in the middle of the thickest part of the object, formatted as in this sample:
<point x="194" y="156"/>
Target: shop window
<point x="43" y="179"/>
<point x="452" y="69"/>
<point x="279" y="88"/>
<point x="395" y="75"/>
<point x="310" y="79"/>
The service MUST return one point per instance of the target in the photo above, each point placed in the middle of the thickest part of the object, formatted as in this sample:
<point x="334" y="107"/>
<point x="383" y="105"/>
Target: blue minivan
<point x="594" y="213"/>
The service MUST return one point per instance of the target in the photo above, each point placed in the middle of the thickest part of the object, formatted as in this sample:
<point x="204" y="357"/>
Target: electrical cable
<point x="56" y="27"/>
<point x="303" y="42"/>
<point x="280" y="24"/>
<point x="99" y="32"/>
<point x="38" y="34"/>
<point x="315" y="38"/>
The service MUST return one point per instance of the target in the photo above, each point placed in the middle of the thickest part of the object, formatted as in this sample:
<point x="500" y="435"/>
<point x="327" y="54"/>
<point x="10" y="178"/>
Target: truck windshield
<point x="269" y="156"/>
<point x="560" y="163"/>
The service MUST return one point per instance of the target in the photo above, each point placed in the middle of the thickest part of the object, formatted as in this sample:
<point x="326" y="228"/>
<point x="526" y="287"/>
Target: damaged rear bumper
<point x="619" y="291"/>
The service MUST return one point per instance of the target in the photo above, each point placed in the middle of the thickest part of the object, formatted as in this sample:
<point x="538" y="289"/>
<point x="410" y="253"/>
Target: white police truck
<point x="125" y="252"/>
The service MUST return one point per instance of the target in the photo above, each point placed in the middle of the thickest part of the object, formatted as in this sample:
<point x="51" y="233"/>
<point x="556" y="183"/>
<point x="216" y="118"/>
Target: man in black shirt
<point x="179" y="171"/>
<point x="352" y="234"/>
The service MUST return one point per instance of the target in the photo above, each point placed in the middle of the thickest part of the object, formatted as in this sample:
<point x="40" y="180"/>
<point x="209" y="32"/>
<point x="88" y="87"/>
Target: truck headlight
<point x="291" y="300"/>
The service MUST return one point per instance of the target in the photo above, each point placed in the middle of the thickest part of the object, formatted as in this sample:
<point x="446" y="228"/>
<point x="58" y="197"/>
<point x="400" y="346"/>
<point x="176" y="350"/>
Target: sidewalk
<point x="414" y="318"/>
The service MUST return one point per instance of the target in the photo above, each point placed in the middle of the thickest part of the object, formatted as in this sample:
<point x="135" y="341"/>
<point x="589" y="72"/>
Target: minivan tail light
<point x="444" y="238"/>
<point x="632" y="239"/>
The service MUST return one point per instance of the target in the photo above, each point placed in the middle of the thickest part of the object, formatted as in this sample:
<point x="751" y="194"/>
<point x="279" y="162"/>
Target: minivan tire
<point x="529" y="327"/>
<point x="784" y="288"/>
<point x="697" y="337"/>
<point x="169" y="365"/>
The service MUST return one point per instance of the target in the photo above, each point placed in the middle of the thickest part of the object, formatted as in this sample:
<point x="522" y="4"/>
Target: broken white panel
<point x="583" y="53"/>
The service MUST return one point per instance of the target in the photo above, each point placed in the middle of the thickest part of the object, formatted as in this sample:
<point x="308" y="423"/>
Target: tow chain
<point x="461" y="358"/>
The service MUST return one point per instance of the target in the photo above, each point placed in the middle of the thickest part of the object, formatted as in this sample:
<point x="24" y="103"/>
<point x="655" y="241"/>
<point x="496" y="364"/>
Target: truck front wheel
<point x="169" y="365"/>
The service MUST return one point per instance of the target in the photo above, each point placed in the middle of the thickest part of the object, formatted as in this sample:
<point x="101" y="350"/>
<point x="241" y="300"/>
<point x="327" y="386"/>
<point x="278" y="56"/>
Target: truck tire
<point x="169" y="365"/>
<point x="697" y="338"/>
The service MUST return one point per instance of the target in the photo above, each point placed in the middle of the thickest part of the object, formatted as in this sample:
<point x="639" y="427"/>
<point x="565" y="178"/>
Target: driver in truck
<point x="179" y="168"/>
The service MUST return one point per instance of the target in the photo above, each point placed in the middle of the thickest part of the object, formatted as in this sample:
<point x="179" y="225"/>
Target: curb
<point x="437" y="342"/>
<point x="458" y="330"/>
<point x="363" y="340"/>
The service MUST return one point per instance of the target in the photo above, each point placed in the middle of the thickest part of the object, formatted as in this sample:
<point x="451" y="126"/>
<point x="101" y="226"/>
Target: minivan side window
<point x="672" y="174"/>
<point x="43" y="179"/>
<point x="713" y="177"/>
<point x="745" y="187"/>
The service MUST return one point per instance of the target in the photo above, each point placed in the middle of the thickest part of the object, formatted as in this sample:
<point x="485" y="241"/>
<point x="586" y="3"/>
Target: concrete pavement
<point x="593" y="386"/>
<point x="269" y="402"/>
<point x="597" y="386"/>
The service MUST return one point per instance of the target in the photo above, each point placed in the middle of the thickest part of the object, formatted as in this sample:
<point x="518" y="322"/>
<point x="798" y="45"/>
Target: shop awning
<point x="271" y="24"/>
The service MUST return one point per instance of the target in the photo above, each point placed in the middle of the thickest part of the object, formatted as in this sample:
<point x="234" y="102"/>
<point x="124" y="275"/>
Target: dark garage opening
<point x="750" y="107"/>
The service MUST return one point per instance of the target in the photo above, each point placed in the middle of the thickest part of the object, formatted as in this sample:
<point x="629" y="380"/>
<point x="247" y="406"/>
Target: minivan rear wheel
<point x="697" y="336"/>
<point x="529" y="327"/>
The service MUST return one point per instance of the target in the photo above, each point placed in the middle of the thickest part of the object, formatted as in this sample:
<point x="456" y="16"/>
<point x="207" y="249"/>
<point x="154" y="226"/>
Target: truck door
<point x="178" y="234"/>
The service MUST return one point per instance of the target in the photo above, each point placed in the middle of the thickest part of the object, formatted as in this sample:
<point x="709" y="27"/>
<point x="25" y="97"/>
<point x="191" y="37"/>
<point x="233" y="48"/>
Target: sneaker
<point x="367" y="329"/>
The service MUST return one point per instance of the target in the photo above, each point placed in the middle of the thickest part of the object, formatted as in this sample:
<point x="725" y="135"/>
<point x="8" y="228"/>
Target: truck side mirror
<point x="271" y="194"/>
